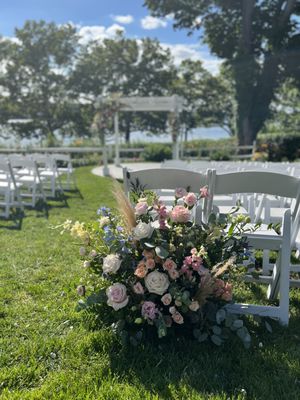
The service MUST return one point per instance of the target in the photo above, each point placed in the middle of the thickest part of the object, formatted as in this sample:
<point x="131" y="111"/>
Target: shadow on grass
<point x="180" y="366"/>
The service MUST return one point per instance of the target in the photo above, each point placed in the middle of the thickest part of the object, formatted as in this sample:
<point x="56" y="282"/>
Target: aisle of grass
<point x="47" y="350"/>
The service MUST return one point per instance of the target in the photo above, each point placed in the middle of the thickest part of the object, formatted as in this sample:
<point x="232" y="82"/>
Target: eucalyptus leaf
<point x="161" y="252"/>
<point x="220" y="315"/>
<point x="237" y="324"/>
<point x="216" y="340"/>
<point x="149" y="245"/>
<point x="202" y="337"/>
<point x="268" y="327"/>
<point x="217" y="330"/>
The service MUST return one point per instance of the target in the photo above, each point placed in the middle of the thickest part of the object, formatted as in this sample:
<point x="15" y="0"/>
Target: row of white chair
<point x="26" y="179"/>
<point x="255" y="182"/>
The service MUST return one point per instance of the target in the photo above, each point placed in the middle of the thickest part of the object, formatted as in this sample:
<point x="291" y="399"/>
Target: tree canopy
<point x="258" y="39"/>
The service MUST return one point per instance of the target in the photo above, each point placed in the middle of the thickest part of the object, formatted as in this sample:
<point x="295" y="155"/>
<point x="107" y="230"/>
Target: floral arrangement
<point x="152" y="271"/>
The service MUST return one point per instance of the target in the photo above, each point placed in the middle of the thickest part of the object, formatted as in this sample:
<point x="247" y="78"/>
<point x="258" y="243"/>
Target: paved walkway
<point x="117" y="172"/>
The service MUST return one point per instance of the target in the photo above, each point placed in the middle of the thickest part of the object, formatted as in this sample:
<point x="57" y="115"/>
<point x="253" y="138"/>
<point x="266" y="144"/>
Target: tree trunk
<point x="127" y="132"/>
<point x="246" y="133"/>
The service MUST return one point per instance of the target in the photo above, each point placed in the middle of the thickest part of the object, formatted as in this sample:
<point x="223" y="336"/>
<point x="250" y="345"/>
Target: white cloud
<point x="193" y="52"/>
<point x="123" y="19"/>
<point x="97" y="32"/>
<point x="150" y="22"/>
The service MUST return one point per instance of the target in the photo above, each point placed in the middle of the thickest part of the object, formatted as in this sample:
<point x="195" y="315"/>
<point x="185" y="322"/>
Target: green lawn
<point x="49" y="351"/>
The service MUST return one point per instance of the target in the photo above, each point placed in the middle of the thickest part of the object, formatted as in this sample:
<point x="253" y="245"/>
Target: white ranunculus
<point x="142" y="231"/>
<point x="157" y="282"/>
<point x="111" y="264"/>
<point x="116" y="296"/>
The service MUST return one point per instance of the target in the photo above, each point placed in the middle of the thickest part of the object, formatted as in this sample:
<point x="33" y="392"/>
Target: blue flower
<point x="104" y="211"/>
<point x="120" y="229"/>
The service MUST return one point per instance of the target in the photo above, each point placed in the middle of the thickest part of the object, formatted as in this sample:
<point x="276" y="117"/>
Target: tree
<point x="36" y="78"/>
<point x="209" y="99"/>
<point x="285" y="110"/>
<point x="260" y="41"/>
<point x="129" y="67"/>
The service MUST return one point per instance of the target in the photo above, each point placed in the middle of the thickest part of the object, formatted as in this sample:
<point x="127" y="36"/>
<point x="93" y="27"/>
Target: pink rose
<point x="190" y="199"/>
<point x="180" y="192"/>
<point x="149" y="310"/>
<point x="169" y="264"/>
<point x="166" y="299"/>
<point x="180" y="214"/>
<point x="173" y="273"/>
<point x="141" y="208"/>
<point x="204" y="192"/>
<point x="150" y="263"/>
<point x="177" y="317"/>
<point x="116" y="296"/>
<point x="138" y="288"/>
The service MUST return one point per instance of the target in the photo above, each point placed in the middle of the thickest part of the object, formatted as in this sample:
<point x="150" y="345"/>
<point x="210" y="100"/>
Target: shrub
<point x="280" y="147"/>
<point x="157" y="152"/>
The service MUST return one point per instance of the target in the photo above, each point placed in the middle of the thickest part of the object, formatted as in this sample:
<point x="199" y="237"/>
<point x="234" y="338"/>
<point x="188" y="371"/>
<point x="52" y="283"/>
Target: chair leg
<point x="281" y="272"/>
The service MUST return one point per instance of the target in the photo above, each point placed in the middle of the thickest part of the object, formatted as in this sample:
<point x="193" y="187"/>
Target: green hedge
<point x="157" y="152"/>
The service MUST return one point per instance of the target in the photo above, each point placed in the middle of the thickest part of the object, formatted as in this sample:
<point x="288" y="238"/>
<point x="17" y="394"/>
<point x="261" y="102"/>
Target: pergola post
<point x="117" y="139"/>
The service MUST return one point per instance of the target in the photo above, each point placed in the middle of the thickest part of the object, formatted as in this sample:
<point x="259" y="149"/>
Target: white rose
<point x="142" y="231"/>
<point x="111" y="264"/>
<point x="104" y="221"/>
<point x="157" y="282"/>
<point x="116" y="296"/>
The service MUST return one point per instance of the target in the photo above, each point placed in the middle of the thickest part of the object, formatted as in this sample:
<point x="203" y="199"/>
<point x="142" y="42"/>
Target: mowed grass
<point x="49" y="351"/>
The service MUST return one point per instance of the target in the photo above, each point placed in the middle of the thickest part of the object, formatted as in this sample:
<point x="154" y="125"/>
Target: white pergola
<point x="173" y="104"/>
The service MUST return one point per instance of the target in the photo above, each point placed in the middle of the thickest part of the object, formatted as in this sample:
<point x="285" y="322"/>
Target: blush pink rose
<point x="204" y="192"/>
<point x="138" y="288"/>
<point x="141" y="208"/>
<point x="116" y="296"/>
<point x="180" y="192"/>
<point x="177" y="317"/>
<point x="180" y="214"/>
<point x="169" y="264"/>
<point x="173" y="274"/>
<point x="166" y="299"/>
<point x="150" y="263"/>
<point x="190" y="199"/>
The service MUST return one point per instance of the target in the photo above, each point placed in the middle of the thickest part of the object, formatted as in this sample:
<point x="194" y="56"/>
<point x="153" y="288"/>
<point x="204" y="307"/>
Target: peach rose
<point x="141" y="270"/>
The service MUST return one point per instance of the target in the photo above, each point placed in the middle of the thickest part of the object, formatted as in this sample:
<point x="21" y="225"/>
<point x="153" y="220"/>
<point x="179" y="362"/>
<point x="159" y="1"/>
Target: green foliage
<point x="209" y="100"/>
<point x="250" y="36"/>
<point x="280" y="147"/>
<point x="36" y="81"/>
<point x="157" y="152"/>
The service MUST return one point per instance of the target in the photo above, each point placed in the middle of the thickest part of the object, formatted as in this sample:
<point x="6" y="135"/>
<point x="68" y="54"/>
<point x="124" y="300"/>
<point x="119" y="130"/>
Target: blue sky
<point x="101" y="18"/>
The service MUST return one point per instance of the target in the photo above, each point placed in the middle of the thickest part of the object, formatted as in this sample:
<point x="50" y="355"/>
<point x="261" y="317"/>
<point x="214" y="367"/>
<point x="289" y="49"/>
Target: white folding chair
<point x="28" y="179"/>
<point x="277" y="185"/>
<point x="9" y="191"/>
<point x="64" y="167"/>
<point x="165" y="179"/>
<point x="48" y="173"/>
